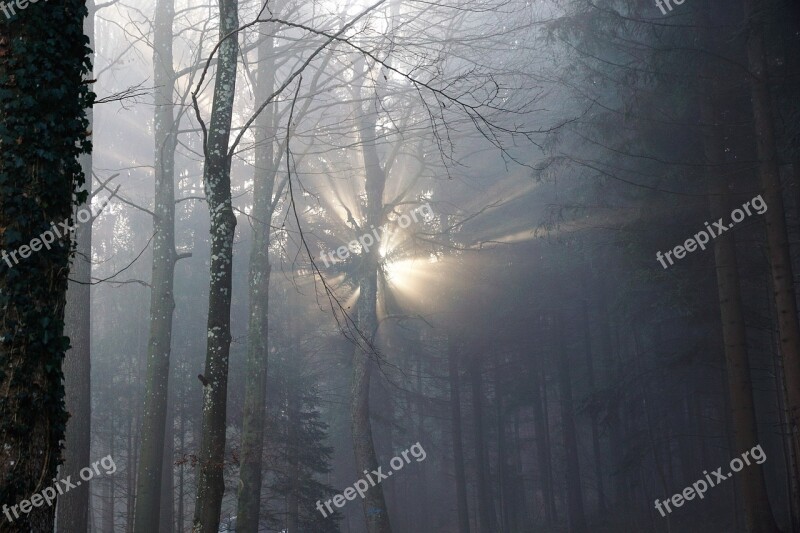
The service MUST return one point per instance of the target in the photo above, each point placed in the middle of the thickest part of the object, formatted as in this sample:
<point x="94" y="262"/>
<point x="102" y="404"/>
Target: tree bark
<point x="486" y="519"/>
<point x="73" y="506"/>
<point x="162" y="302"/>
<point x="757" y="512"/>
<point x="543" y="453"/>
<point x="458" y="447"/>
<point x="596" y="448"/>
<point x="375" y="510"/>
<point x="249" y="494"/>
<point x="217" y="181"/>
<point x="777" y="236"/>
<point x="43" y="130"/>
<point x="577" y="518"/>
<point x="293" y="444"/>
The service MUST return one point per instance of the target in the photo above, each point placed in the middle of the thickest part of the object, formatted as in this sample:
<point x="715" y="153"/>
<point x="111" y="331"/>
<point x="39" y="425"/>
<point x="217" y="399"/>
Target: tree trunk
<point x="458" y="447"/>
<point x="217" y="181"/>
<point x="486" y="520"/>
<point x="757" y="512"/>
<point x="293" y="444"/>
<point x="249" y="494"/>
<point x="503" y="488"/>
<point x="777" y="237"/>
<point x="375" y="510"/>
<point x="73" y="506"/>
<point x="543" y="454"/>
<point x="43" y="59"/>
<point x="577" y="518"/>
<point x="593" y="412"/>
<point x="162" y="303"/>
<point x="167" y="514"/>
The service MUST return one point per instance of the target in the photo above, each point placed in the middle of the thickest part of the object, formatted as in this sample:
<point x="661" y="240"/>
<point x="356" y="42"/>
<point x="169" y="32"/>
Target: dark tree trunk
<point x="502" y="449"/>
<point x="166" y="521"/>
<point x="577" y="518"/>
<point x="217" y="181"/>
<point x="593" y="411"/>
<point x="486" y="519"/>
<point x="43" y="60"/>
<point x="777" y="236"/>
<point x="293" y="451"/>
<point x="73" y="507"/>
<point x="458" y="447"/>
<point x="543" y="453"/>
<point x="758" y="515"/>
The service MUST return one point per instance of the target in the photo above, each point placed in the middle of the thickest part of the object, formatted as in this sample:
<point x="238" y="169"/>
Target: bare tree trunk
<point x="486" y="519"/>
<point x="777" y="237"/>
<point x="217" y="181"/>
<point x="502" y="449"/>
<point x="458" y="447"/>
<point x="73" y="506"/>
<point x="293" y="419"/>
<point x="758" y="515"/>
<point x="593" y="414"/>
<point x="108" y="505"/>
<point x="181" y="483"/>
<point x="133" y="446"/>
<point x="615" y="429"/>
<point x="543" y="454"/>
<point x="167" y="514"/>
<point x="249" y="494"/>
<point x="375" y="510"/>
<point x="162" y="302"/>
<point x="577" y="518"/>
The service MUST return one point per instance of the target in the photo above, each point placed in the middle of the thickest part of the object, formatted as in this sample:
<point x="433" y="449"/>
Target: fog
<point x="488" y="266"/>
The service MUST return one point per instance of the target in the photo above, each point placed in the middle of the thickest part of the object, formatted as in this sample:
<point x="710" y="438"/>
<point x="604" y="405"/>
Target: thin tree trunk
<point x="777" y="237"/>
<point x="502" y="450"/>
<point x="162" y="302"/>
<point x="593" y="412"/>
<point x="374" y="504"/>
<point x="486" y="520"/>
<point x="167" y="518"/>
<point x="73" y="506"/>
<point x="249" y="494"/>
<point x="615" y="430"/>
<point x="181" y="483"/>
<point x="217" y="181"/>
<point x="543" y="453"/>
<point x="577" y="518"/>
<point x="293" y="419"/>
<point x="458" y="447"/>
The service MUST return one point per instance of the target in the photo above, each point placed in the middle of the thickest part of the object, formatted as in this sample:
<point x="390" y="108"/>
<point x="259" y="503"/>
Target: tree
<point x="217" y="182"/>
<point x="775" y="216"/>
<point x="162" y="302"/>
<point x="73" y="507"/>
<point x="44" y="56"/>
<point x="264" y="173"/>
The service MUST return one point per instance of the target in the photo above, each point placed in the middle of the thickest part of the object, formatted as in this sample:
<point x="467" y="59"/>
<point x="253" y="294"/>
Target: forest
<point x="400" y="266"/>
